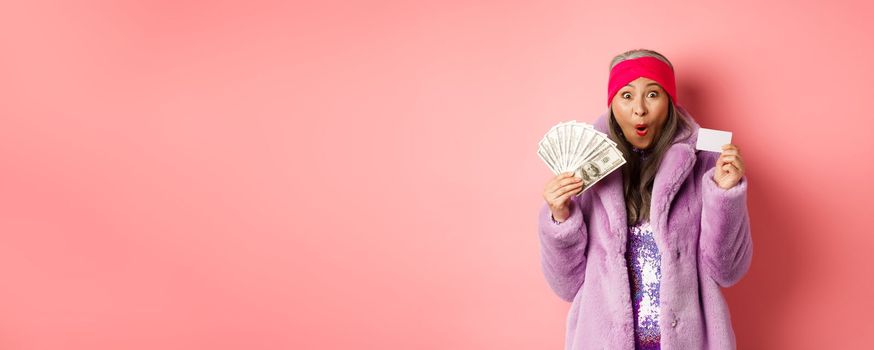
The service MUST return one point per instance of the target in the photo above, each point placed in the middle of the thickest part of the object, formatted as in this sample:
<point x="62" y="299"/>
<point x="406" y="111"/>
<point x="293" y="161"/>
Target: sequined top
<point x="645" y="275"/>
<point x="644" y="272"/>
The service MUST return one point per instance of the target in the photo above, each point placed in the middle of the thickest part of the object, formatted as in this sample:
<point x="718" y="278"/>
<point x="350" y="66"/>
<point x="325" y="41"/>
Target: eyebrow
<point x="646" y="84"/>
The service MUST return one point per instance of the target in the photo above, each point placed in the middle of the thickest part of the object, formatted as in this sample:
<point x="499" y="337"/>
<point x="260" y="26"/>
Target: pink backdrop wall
<point x="333" y="175"/>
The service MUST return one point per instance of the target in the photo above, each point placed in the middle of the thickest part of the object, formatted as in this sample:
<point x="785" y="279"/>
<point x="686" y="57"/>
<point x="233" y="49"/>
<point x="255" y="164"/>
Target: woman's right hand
<point x="558" y="191"/>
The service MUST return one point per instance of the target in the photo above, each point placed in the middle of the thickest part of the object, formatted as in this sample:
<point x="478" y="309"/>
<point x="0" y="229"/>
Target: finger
<point x="730" y="149"/>
<point x="728" y="158"/>
<point x="731" y="175"/>
<point x="728" y="172"/>
<point x="571" y="180"/>
<point x="566" y="181"/>
<point x="734" y="158"/>
<point x="561" y="189"/>
<point x="736" y="172"/>
<point x="562" y="176"/>
<point x="555" y="182"/>
<point x="739" y="165"/>
<point x="738" y="162"/>
<point x="560" y="201"/>
<point x="568" y="188"/>
<point x="565" y="196"/>
<point x="720" y="162"/>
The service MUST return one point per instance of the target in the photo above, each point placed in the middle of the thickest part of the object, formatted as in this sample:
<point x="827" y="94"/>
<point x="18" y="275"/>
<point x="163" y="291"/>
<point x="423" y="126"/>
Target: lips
<point x="641" y="129"/>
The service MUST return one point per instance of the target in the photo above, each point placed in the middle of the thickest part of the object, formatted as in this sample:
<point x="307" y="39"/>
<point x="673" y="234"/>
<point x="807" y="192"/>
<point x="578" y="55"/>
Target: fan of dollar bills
<point x="578" y="147"/>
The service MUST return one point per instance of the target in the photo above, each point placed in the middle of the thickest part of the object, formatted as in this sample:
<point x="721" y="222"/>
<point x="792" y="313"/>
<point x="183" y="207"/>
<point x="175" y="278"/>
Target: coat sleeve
<point x="726" y="247"/>
<point x="563" y="249"/>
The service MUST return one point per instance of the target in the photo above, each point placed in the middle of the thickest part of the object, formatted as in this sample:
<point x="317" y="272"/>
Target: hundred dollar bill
<point x="569" y="145"/>
<point x="602" y="164"/>
<point x="545" y="153"/>
<point x="553" y="143"/>
<point x="581" y="137"/>
<point x="595" y="139"/>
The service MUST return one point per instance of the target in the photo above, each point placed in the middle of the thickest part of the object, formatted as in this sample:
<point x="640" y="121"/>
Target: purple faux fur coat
<point x="701" y="230"/>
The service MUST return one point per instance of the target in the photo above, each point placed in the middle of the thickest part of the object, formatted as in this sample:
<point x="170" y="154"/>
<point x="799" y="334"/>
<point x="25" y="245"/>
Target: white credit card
<point x="712" y="140"/>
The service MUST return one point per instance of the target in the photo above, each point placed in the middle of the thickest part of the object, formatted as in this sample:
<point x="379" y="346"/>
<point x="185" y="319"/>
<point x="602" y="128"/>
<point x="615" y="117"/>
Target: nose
<point x="639" y="108"/>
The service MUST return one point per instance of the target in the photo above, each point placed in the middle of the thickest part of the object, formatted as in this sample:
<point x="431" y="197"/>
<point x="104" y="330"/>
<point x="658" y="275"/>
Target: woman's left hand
<point x="729" y="167"/>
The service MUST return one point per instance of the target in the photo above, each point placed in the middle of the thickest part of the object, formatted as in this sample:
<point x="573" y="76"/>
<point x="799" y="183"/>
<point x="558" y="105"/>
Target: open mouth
<point x="641" y="129"/>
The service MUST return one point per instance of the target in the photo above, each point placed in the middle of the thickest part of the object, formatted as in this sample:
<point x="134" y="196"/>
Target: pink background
<point x="333" y="175"/>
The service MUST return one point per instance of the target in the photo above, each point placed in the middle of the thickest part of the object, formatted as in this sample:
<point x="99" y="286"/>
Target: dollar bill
<point x="572" y="146"/>
<point x="602" y="164"/>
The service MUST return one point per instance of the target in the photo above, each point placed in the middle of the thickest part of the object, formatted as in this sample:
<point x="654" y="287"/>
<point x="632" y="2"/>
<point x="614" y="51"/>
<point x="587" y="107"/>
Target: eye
<point x="653" y="94"/>
<point x="626" y="95"/>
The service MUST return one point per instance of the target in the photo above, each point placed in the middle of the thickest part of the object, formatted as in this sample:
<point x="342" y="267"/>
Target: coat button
<point x="678" y="253"/>
<point x="674" y="323"/>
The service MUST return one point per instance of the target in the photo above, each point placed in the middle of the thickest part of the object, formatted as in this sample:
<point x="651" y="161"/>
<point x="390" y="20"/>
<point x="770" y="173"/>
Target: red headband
<point x="649" y="67"/>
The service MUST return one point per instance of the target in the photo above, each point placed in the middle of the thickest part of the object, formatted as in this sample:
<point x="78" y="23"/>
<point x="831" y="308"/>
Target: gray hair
<point x="638" y="176"/>
<point x="637" y="53"/>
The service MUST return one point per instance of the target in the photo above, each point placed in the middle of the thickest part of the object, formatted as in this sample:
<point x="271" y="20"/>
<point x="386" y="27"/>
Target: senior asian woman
<point x="643" y="254"/>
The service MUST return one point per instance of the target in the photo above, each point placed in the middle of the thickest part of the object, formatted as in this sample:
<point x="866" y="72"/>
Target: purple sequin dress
<point x="644" y="272"/>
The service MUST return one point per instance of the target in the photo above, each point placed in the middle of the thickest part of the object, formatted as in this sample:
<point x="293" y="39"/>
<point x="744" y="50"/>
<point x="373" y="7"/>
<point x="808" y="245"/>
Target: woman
<point x="642" y="254"/>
